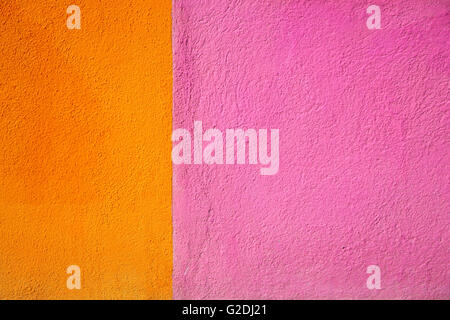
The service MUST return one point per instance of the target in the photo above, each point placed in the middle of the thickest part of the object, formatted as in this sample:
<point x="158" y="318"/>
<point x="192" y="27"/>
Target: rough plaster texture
<point x="364" y="166"/>
<point x="85" y="171"/>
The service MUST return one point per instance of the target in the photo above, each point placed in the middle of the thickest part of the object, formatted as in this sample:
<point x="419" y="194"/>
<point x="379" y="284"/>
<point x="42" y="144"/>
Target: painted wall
<point x="85" y="169"/>
<point x="364" y="131"/>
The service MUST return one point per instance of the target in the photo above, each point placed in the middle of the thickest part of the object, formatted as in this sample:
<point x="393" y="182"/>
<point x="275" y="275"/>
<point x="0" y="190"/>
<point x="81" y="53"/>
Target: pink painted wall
<point x="364" y="163"/>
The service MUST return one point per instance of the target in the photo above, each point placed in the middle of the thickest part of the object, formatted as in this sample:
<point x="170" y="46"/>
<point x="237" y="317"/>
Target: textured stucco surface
<point x="364" y="163"/>
<point x="85" y="171"/>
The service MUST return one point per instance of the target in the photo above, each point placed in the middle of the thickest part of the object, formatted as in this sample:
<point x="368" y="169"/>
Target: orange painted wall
<point x="85" y="169"/>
